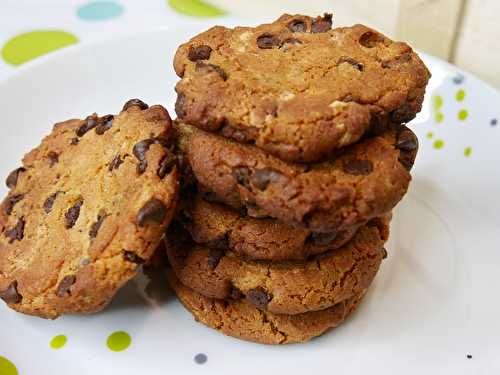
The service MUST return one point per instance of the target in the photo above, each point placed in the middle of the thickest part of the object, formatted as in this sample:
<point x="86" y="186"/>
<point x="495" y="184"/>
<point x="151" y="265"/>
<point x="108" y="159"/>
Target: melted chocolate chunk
<point x="153" y="212"/>
<point x="16" y="233"/>
<point x="199" y="53"/>
<point x="214" y="257"/>
<point x="11" y="295"/>
<point x="135" y="103"/>
<point x="180" y="105"/>
<point x="94" y="228"/>
<point x="352" y="62"/>
<point x="167" y="164"/>
<point x="71" y="216"/>
<point x="322" y="24"/>
<point x="263" y="177"/>
<point x="201" y="66"/>
<point x="268" y="41"/>
<point x="140" y="149"/>
<point x="371" y="39"/>
<point x="132" y="257"/>
<point x="259" y="297"/>
<point x="104" y="124"/>
<point x="74" y="141"/>
<point x="357" y="167"/>
<point x="242" y="176"/>
<point x="53" y="158"/>
<point x="65" y="285"/>
<point x="90" y="123"/>
<point x="11" y="201"/>
<point x="11" y="180"/>
<point x="297" y="26"/>
<point x="49" y="202"/>
<point x="115" y="163"/>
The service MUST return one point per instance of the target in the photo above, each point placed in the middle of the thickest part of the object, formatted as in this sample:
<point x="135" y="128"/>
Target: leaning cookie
<point x="280" y="287"/>
<point x="87" y="207"/>
<point x="240" y="319"/>
<point x="297" y="88"/>
<point x="220" y="227"/>
<point x="363" y="181"/>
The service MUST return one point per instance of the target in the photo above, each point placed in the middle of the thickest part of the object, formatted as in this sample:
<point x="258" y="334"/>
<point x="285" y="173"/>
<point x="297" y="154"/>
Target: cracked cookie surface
<point x="281" y="287"/>
<point x="87" y="207"/>
<point x="242" y="320"/>
<point x="219" y="226"/>
<point x="295" y="87"/>
<point x="363" y="181"/>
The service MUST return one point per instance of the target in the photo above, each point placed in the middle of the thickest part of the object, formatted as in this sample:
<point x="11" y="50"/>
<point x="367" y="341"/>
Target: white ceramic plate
<point x="434" y="301"/>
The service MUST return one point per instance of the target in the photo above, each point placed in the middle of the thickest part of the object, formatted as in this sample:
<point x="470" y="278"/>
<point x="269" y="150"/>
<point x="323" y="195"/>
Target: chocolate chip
<point x="135" y="103"/>
<point x="167" y="163"/>
<point x="132" y="257"/>
<point x="115" y="163"/>
<point x="357" y="167"/>
<point x="71" y="216"/>
<point x="11" y="180"/>
<point x="322" y="24"/>
<point x="49" y="202"/>
<point x="292" y="41"/>
<point x="406" y="140"/>
<point x="403" y="114"/>
<point x="94" y="228"/>
<point x="201" y="66"/>
<point x="104" y="124"/>
<point x="180" y="104"/>
<point x="221" y="243"/>
<point x="348" y="98"/>
<point x="321" y="239"/>
<point x="16" y="233"/>
<point x="199" y="53"/>
<point x="154" y="211"/>
<point x="90" y="123"/>
<point x="268" y="41"/>
<point x="259" y="297"/>
<point x="371" y="39"/>
<point x="64" y="285"/>
<point x="384" y="253"/>
<point x="351" y="61"/>
<point x="297" y="26"/>
<point x="242" y="176"/>
<point x="235" y="293"/>
<point x="11" y="201"/>
<point x="74" y="141"/>
<point x="139" y="151"/>
<point x="53" y="158"/>
<point x="214" y="257"/>
<point x="11" y="295"/>
<point x="401" y="59"/>
<point x="263" y="177"/>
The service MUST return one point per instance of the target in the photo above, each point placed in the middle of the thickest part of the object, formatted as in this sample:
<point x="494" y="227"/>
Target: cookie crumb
<point x="469" y="356"/>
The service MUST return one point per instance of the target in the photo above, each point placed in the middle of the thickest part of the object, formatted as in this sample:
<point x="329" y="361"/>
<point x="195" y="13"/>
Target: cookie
<point x="363" y="181"/>
<point x="297" y="88"/>
<point x="240" y="319"/>
<point x="279" y="287"/>
<point x="88" y="206"/>
<point x="220" y="227"/>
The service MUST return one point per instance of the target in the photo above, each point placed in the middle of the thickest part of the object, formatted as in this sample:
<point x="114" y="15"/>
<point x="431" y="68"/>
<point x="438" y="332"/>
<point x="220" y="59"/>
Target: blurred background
<point x="464" y="32"/>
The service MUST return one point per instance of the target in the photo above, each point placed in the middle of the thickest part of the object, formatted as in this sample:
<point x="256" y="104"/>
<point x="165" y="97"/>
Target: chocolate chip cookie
<point x="280" y="287"/>
<point x="361" y="182"/>
<point x="220" y="227"/>
<point x="242" y="320"/>
<point x="296" y="87"/>
<point x="85" y="209"/>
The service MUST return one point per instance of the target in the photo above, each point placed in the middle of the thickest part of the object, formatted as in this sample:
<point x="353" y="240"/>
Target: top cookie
<point x="87" y="207"/>
<point x="297" y="88"/>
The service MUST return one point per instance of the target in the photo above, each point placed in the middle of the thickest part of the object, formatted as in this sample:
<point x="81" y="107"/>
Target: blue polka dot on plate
<point x="99" y="10"/>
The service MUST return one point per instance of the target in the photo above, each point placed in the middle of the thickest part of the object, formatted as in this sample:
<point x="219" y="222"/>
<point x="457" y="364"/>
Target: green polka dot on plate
<point x="58" y="341"/>
<point x="197" y="8"/>
<point x="439" y="117"/>
<point x="118" y="341"/>
<point x="438" y="144"/>
<point x="460" y="95"/>
<point x="7" y="367"/>
<point x="99" y="11"/>
<point x="437" y="102"/>
<point x="462" y="114"/>
<point x="28" y="46"/>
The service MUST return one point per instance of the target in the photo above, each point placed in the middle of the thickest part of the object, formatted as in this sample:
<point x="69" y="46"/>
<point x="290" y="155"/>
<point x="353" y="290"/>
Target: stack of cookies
<point x="293" y="154"/>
